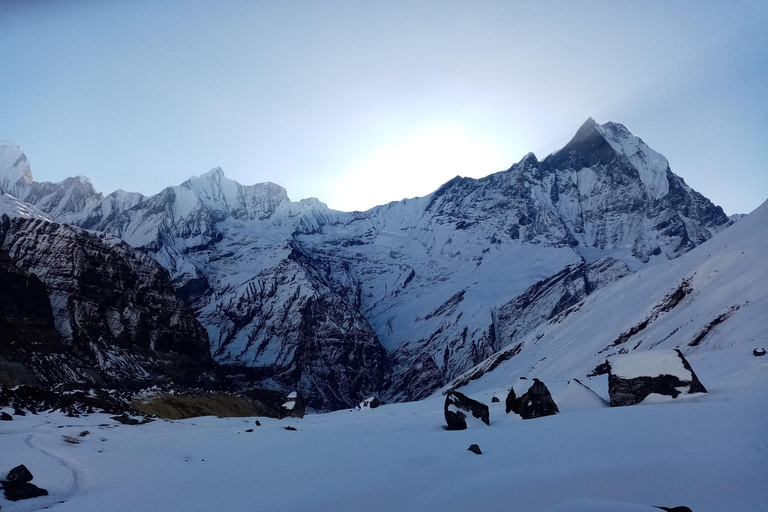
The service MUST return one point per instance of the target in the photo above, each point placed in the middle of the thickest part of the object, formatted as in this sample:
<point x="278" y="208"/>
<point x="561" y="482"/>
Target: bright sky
<point x="361" y="103"/>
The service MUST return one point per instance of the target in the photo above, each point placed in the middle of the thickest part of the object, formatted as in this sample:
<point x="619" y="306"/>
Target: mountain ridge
<point x="420" y="278"/>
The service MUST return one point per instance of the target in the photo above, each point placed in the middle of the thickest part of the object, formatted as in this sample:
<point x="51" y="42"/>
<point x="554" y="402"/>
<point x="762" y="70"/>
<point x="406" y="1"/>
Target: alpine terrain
<point x="396" y="301"/>
<point x="579" y="333"/>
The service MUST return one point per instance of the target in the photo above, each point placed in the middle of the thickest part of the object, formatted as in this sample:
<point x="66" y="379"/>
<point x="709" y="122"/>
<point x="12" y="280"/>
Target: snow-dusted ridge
<point x="728" y="274"/>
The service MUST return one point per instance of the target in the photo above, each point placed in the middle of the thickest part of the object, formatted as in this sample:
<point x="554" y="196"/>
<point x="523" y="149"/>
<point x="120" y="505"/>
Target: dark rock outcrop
<point x="26" y="323"/>
<point x="634" y="376"/>
<point x="511" y="403"/>
<point x="17" y="485"/>
<point x="533" y="403"/>
<point x="370" y="403"/>
<point x="293" y="407"/>
<point x="71" y="402"/>
<point x="455" y="403"/>
<point x="19" y="474"/>
<point x="536" y="402"/>
<point x="4" y="416"/>
<point x="117" y="319"/>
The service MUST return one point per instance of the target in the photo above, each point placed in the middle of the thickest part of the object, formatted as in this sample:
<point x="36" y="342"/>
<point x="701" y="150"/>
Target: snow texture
<point x="649" y="364"/>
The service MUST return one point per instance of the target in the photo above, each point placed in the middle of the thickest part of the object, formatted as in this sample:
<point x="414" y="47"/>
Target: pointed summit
<point x="587" y="148"/>
<point x="216" y="172"/>
<point x="15" y="173"/>
<point x="589" y="129"/>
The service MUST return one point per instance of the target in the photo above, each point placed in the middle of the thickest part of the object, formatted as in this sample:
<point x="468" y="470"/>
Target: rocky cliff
<point x="116" y="315"/>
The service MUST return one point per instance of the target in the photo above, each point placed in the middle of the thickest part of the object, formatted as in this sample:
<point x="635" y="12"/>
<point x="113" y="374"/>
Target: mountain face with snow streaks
<point x="401" y="299"/>
<point x="118" y="320"/>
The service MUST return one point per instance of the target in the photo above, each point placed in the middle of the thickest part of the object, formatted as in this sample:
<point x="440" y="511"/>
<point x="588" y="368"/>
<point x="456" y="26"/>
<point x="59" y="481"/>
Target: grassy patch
<point x="177" y="407"/>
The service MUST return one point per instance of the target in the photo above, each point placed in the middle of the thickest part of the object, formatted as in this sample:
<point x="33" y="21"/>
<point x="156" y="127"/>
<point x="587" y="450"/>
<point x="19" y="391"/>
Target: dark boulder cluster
<point x="534" y="403"/>
<point x="455" y="403"/>
<point x="17" y="485"/>
<point x="633" y="377"/>
<point x="72" y="402"/>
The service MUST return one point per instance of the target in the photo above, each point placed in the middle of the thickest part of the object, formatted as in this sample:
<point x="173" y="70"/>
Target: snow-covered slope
<point x="12" y="207"/>
<point x="709" y="303"/>
<point x="707" y="453"/>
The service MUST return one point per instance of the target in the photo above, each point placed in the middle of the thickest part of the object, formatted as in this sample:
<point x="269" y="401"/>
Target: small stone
<point x="495" y="400"/>
<point x="249" y="430"/>
<point x="758" y="352"/>
<point x="474" y="449"/>
<point x="290" y="428"/>
<point x="258" y="423"/>
<point x="84" y="433"/>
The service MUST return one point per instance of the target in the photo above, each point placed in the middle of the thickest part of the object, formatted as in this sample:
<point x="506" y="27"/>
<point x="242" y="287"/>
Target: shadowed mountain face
<point x="89" y="309"/>
<point x="402" y="298"/>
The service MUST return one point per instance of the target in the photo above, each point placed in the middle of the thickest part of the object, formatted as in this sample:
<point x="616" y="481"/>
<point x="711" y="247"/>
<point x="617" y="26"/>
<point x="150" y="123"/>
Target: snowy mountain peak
<point x="215" y="173"/>
<point x="530" y="158"/>
<point x="651" y="166"/>
<point x="228" y="197"/>
<point x="599" y="144"/>
<point x="14" y="168"/>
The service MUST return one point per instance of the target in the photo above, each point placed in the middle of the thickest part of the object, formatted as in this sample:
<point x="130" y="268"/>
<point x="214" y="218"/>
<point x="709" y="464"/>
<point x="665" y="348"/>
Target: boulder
<point x="4" y="416"/>
<point x="20" y="491"/>
<point x="17" y="485"/>
<point x="455" y="403"/>
<point x="530" y="400"/>
<point x="258" y="423"/>
<point x="19" y="474"/>
<point x="519" y="387"/>
<point x="758" y="352"/>
<point x="511" y="401"/>
<point x="293" y="407"/>
<point x="292" y="429"/>
<point x="537" y="402"/>
<point x="495" y="400"/>
<point x="474" y="449"/>
<point x="633" y="377"/>
<point x="675" y="509"/>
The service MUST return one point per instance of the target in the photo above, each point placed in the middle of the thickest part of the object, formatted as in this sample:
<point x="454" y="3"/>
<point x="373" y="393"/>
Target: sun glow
<point x="414" y="166"/>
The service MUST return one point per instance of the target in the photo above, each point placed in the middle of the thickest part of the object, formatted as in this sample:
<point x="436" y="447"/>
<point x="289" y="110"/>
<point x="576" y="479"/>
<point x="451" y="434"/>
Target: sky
<point x="362" y="103"/>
